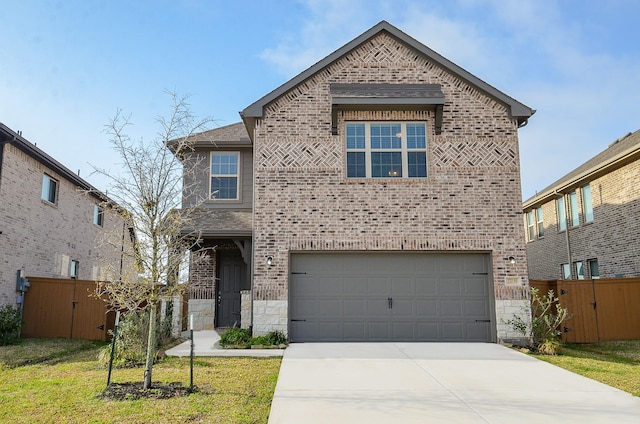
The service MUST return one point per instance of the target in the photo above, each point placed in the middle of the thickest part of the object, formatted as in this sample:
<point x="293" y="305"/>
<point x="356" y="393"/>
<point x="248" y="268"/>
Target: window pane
<point x="224" y="187"/>
<point x="355" y="136"/>
<point x="540" y="222"/>
<point x="49" y="188"/>
<point x="573" y="209"/>
<point x="386" y="136"/>
<point x="417" y="164"/>
<point x="566" y="272"/>
<point x="356" y="167"/>
<point x="386" y="164"/>
<point x="224" y="164"/>
<point x="416" y="136"/>
<point x="594" y="270"/>
<point x="530" y="226"/>
<point x="580" y="270"/>
<point x="562" y="218"/>
<point x="587" y="204"/>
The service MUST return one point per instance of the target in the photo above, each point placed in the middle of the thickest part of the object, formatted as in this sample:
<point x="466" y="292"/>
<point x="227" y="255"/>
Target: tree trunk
<point x="151" y="347"/>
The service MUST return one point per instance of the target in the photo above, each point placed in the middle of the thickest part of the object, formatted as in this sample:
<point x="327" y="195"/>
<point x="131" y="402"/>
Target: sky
<point x="67" y="66"/>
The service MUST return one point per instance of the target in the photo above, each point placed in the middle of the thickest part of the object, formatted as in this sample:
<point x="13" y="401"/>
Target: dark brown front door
<point x="232" y="272"/>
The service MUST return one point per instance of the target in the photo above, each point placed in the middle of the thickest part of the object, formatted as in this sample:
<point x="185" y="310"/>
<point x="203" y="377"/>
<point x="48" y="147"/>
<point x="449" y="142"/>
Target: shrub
<point x="547" y="316"/>
<point x="10" y="324"/>
<point x="235" y="337"/>
<point x="131" y="343"/>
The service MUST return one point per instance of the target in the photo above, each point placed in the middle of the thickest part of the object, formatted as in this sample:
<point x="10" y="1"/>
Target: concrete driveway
<point x="451" y="383"/>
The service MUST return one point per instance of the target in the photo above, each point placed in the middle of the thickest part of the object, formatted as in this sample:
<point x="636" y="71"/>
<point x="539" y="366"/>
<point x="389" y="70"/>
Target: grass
<point x="60" y="381"/>
<point x="614" y="363"/>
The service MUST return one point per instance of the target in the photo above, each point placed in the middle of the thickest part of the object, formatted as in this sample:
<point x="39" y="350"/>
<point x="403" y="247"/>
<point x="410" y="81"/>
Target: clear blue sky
<point x="66" y="66"/>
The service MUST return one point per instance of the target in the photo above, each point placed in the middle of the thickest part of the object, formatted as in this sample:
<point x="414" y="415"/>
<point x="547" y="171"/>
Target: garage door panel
<point x="450" y="308"/>
<point x="450" y="286"/>
<point x="434" y="297"/>
<point x="452" y="331"/>
<point x="355" y="286"/>
<point x="426" y="308"/>
<point x="378" y="286"/>
<point x="354" y="307"/>
<point x="476" y="309"/>
<point x="426" y="286"/>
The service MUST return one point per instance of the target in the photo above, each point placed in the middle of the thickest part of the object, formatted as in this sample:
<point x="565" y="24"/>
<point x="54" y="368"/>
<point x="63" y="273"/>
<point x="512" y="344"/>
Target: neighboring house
<point x="50" y="219"/>
<point x="373" y="197"/>
<point x="585" y="225"/>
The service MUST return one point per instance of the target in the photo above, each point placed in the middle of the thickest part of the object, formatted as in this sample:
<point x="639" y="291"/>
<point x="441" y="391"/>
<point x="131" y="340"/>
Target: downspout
<point x="566" y="218"/>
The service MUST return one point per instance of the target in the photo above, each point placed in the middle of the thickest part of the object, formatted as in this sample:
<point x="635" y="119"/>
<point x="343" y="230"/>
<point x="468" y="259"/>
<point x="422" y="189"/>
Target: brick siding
<point x="302" y="200"/>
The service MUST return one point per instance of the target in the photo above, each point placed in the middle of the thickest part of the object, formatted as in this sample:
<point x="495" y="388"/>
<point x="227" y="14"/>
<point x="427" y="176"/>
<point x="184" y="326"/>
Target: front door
<point x="232" y="272"/>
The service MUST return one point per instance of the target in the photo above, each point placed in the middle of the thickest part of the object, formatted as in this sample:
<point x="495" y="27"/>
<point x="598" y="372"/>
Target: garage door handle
<point x="298" y="320"/>
<point x="390" y="302"/>
<point x="483" y="320"/>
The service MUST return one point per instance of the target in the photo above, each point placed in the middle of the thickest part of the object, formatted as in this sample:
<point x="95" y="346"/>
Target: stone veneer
<point x="245" y="309"/>
<point x="203" y="311"/>
<point x="471" y="200"/>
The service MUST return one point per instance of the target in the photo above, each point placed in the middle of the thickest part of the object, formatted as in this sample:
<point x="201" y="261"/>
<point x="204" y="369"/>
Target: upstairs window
<point x="540" y="217"/>
<point x="594" y="269"/>
<point x="587" y="204"/>
<point x="98" y="215"/>
<point x="225" y="175"/>
<point x="73" y="269"/>
<point x="386" y="149"/>
<point x="573" y="209"/>
<point x="565" y="269"/>
<point x="562" y="214"/>
<point x="49" y="189"/>
<point x="531" y="229"/>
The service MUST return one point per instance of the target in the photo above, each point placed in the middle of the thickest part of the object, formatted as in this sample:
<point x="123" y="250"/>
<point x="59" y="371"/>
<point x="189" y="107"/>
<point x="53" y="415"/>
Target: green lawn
<point x="60" y="381"/>
<point x="614" y="363"/>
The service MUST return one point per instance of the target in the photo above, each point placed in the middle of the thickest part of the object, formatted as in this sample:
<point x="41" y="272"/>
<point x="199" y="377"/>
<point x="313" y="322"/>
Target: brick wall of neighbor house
<point x="612" y="237"/>
<point x="42" y="238"/>
<point x="470" y="201"/>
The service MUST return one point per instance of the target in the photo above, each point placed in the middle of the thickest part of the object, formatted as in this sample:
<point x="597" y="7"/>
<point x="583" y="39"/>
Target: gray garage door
<point x="390" y="297"/>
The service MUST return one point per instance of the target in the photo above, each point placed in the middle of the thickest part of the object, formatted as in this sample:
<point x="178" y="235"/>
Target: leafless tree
<point x="149" y="189"/>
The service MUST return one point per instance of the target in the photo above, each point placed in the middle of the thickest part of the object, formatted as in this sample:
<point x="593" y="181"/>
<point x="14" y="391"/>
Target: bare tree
<point x="149" y="189"/>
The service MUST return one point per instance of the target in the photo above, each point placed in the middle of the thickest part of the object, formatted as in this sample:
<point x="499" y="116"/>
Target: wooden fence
<point x="56" y="307"/>
<point x="602" y="309"/>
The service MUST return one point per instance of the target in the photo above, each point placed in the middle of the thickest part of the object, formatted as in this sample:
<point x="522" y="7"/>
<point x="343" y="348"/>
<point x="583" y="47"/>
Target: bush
<point x="235" y="337"/>
<point x="547" y="316"/>
<point x="241" y="337"/>
<point x="10" y="324"/>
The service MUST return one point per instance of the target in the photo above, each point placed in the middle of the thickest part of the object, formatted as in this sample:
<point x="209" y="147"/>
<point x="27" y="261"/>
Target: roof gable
<point x="517" y="110"/>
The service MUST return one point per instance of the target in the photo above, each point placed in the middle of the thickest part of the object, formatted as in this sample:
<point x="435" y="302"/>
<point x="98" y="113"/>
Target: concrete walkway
<point x="403" y="383"/>
<point x="206" y="344"/>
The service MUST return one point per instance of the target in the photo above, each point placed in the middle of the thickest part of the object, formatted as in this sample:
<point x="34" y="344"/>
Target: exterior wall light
<point x="512" y="260"/>
<point x="269" y="260"/>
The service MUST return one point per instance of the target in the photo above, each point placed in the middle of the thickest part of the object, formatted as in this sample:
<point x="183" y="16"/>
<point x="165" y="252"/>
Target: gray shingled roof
<point x="228" y="134"/>
<point x="222" y="222"/>
<point x="614" y="156"/>
<point x="518" y="110"/>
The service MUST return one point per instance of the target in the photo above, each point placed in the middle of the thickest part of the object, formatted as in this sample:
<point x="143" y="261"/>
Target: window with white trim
<point x="225" y="175"/>
<point x="73" y="269"/>
<point x="531" y="229"/>
<point x="562" y="214"/>
<point x="49" y="189"/>
<point x="386" y="149"/>
<point x="565" y="269"/>
<point x="540" y="217"/>
<point x="574" y="213"/>
<point x="98" y="215"/>
<point x="587" y="204"/>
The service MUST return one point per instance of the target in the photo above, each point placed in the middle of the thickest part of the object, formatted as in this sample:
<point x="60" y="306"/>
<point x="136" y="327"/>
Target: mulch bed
<point x="133" y="391"/>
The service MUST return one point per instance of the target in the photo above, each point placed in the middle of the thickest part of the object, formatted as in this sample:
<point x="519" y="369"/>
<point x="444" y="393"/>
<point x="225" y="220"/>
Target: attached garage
<point x="384" y="296"/>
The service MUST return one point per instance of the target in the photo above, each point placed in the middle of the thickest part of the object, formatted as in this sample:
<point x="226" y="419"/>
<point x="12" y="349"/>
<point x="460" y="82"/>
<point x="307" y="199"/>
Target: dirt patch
<point x="133" y="391"/>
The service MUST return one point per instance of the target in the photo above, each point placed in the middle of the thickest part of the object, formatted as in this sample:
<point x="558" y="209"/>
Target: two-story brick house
<point x="585" y="224"/>
<point x="50" y="218"/>
<point x="373" y="197"/>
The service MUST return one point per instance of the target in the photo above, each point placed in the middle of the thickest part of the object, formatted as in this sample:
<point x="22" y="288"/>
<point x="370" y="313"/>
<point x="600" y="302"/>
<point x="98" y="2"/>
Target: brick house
<point x="373" y="197"/>
<point x="585" y="224"/>
<point x="48" y="222"/>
